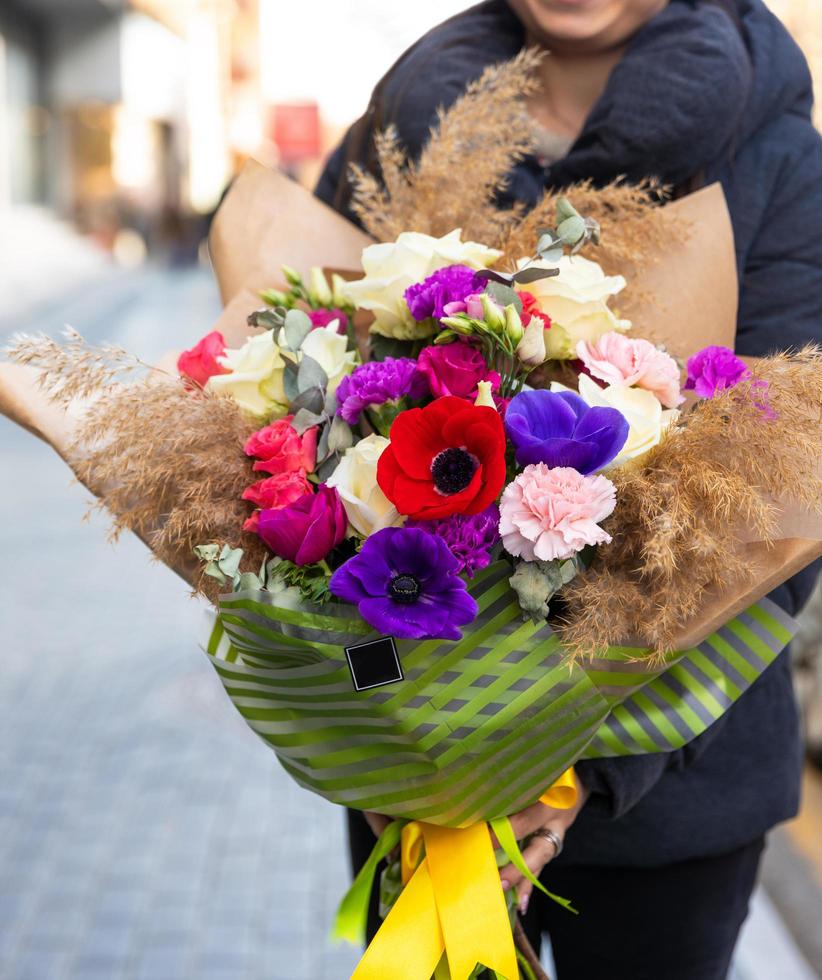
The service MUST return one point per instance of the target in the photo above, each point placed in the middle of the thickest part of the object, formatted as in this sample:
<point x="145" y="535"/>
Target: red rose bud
<point x="200" y="363"/>
<point x="446" y="458"/>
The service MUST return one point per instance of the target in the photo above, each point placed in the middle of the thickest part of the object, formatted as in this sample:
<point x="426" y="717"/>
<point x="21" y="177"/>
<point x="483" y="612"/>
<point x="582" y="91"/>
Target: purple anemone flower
<point x="376" y="383"/>
<point x="470" y="537"/>
<point x="404" y="583"/>
<point x="560" y="429"/>
<point x="449" y="285"/>
<point x="713" y="369"/>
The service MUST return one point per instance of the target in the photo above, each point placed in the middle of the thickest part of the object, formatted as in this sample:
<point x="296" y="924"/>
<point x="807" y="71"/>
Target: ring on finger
<point x="552" y="837"/>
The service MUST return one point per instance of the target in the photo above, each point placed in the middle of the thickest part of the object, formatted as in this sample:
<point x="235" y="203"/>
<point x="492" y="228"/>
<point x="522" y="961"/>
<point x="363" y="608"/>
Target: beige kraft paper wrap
<point x="686" y="301"/>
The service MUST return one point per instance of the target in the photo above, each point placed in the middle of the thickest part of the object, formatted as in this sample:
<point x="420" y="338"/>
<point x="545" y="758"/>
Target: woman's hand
<point x="376" y="821"/>
<point x="540" y="850"/>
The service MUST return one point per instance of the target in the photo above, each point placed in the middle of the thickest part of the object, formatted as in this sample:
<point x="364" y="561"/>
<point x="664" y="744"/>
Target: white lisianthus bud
<point x="492" y="314"/>
<point x="318" y="288"/>
<point x="531" y="349"/>
<point x="337" y="290"/>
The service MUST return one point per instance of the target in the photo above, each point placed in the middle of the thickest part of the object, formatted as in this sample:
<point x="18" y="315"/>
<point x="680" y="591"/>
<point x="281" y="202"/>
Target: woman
<point x="663" y="855"/>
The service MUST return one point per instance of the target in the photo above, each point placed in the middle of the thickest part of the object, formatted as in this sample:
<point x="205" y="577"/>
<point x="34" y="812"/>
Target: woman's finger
<point x="536" y="855"/>
<point x="524" y="890"/>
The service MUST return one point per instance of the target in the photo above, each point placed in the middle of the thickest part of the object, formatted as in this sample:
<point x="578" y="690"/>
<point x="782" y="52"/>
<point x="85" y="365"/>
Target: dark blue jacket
<point x="702" y="93"/>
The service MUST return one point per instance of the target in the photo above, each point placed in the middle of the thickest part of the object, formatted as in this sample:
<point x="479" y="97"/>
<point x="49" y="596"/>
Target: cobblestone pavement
<point x="145" y="833"/>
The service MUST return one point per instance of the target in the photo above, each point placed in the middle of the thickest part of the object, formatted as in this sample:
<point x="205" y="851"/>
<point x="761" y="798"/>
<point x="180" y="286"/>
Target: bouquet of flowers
<point x="461" y="524"/>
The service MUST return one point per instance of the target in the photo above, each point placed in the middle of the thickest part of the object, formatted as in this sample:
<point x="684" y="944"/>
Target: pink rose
<point x="277" y="491"/>
<point x="323" y="317"/>
<point x="552" y="513"/>
<point x="620" y="360"/>
<point x="280" y="449"/>
<point x="200" y="363"/>
<point x="304" y="532"/>
<point x="455" y="369"/>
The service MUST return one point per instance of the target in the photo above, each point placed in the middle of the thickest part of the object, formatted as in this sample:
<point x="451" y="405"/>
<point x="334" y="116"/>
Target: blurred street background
<point x="145" y="834"/>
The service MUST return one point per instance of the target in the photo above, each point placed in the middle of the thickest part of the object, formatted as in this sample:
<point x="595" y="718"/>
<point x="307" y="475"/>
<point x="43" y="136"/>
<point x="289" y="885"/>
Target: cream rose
<point x="577" y="302"/>
<point x="642" y="410"/>
<point x="391" y="267"/>
<point x="330" y="350"/>
<point x="255" y="378"/>
<point x="355" y="479"/>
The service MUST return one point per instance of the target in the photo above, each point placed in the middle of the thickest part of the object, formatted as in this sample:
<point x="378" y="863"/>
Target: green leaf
<point x="311" y="399"/>
<point x="340" y="436"/>
<point x="269" y="319"/>
<point x="297" y="327"/>
<point x="305" y="419"/>
<point x="532" y="273"/>
<point x="327" y="467"/>
<point x="381" y="347"/>
<point x="310" y="374"/>
<point x="504" y="295"/>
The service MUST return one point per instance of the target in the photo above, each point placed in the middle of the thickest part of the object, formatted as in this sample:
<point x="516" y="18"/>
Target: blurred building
<point x="125" y="113"/>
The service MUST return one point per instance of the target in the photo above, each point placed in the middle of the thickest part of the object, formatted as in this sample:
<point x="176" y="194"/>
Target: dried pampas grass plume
<point x="463" y="167"/>
<point x="685" y="508"/>
<point x="166" y="460"/>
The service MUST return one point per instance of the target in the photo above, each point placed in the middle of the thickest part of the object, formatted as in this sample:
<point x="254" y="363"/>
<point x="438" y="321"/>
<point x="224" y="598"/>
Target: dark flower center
<point x="452" y="470"/>
<point x="404" y="589"/>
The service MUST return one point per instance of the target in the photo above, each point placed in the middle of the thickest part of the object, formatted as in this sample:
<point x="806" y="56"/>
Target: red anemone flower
<point x="446" y="458"/>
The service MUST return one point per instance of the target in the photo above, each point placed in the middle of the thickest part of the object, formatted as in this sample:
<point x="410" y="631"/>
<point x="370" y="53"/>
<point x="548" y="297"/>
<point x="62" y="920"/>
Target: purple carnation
<point x="449" y="285"/>
<point x="713" y="369"/>
<point x="470" y="537"/>
<point x="405" y="583"/>
<point x="378" y="382"/>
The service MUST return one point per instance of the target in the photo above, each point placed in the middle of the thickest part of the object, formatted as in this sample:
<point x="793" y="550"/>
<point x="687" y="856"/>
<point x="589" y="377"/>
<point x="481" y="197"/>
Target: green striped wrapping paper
<point x="480" y="727"/>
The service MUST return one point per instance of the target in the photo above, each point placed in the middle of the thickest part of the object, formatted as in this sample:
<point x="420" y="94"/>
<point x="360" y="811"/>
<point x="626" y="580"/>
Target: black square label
<point x="374" y="663"/>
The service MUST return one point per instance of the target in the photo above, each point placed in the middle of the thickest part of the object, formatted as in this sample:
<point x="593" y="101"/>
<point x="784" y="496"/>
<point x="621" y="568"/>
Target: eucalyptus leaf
<point x="305" y="419"/>
<point x="297" y="327"/>
<point x="504" y="295"/>
<point x="565" y="209"/>
<point x="536" y="582"/>
<point x="249" y="580"/>
<point x="322" y="444"/>
<point x="311" y="399"/>
<point x="310" y="374"/>
<point x="327" y="467"/>
<point x="552" y="254"/>
<point x="491" y="275"/>
<point x="269" y="319"/>
<point x="572" y="230"/>
<point x="547" y="241"/>
<point x="229" y="561"/>
<point x="290" y="384"/>
<point x="340" y="436"/>
<point x="532" y="273"/>
<point x="207" y="552"/>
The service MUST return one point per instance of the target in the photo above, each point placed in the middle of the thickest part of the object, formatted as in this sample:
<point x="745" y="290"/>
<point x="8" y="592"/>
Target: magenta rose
<point x="455" y="369"/>
<point x="200" y="363"/>
<point x="713" y="369"/>
<point x="323" y="317"/>
<point x="307" y="530"/>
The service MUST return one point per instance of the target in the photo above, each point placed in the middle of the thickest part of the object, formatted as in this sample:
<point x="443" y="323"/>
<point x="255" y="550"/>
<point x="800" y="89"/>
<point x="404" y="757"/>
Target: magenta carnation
<point x="323" y="317"/>
<point x="455" y="369"/>
<point x="449" y="285"/>
<point x="713" y="369"/>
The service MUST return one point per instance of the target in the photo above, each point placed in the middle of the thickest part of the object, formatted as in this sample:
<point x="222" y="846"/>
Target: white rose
<point x="255" y="380"/>
<point x="577" y="302"/>
<point x="641" y="409"/>
<point x="391" y="267"/>
<point x="330" y="350"/>
<point x="355" y="478"/>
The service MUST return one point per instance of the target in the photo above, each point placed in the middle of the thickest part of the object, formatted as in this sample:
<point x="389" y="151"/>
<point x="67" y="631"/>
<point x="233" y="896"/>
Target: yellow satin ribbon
<point x="452" y="903"/>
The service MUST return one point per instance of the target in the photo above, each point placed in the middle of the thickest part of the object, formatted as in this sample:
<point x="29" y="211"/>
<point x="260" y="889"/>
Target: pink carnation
<point x="552" y="513"/>
<point x="471" y="306"/>
<point x="280" y="449"/>
<point x="620" y="360"/>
